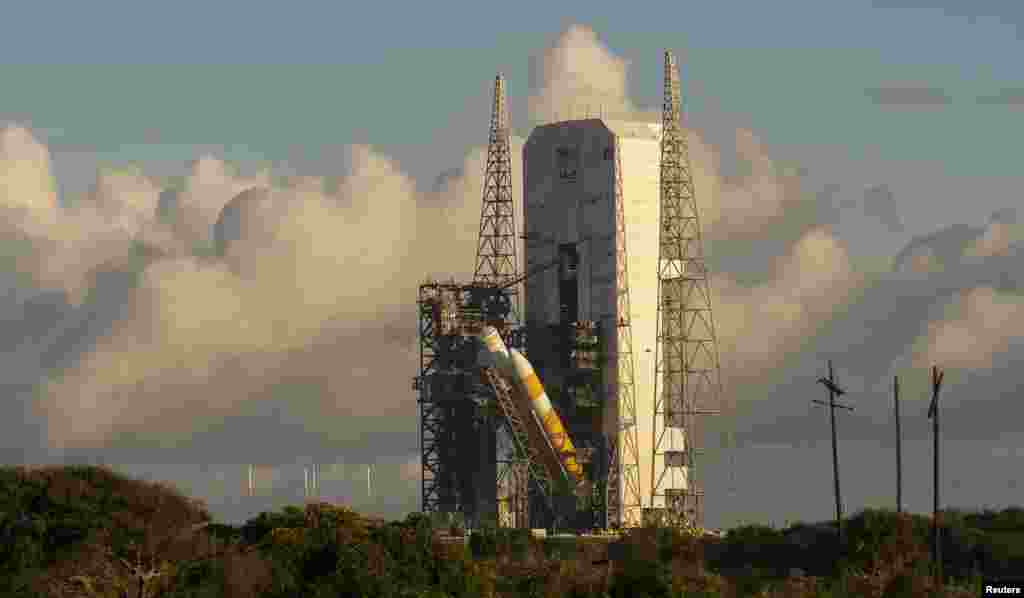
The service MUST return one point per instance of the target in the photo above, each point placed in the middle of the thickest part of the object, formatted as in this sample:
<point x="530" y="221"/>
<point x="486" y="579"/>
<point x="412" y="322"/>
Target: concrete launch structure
<point x="570" y="175"/>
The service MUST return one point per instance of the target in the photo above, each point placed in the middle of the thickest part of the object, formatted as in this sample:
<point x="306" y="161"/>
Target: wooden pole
<point x="933" y="412"/>
<point x="899" y="448"/>
<point x="835" y="456"/>
<point x="833" y="393"/>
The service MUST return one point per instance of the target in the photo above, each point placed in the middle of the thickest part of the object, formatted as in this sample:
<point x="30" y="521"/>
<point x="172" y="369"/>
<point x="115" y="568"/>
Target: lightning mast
<point x="496" y="262"/>
<point x="497" y="268"/>
<point x="625" y="501"/>
<point x="687" y="371"/>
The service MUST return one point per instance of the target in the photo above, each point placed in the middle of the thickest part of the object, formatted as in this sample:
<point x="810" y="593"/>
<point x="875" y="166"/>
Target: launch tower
<point x="687" y="376"/>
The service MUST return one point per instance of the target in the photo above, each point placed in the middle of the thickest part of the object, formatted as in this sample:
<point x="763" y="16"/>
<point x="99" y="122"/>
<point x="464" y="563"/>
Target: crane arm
<point x="536" y="270"/>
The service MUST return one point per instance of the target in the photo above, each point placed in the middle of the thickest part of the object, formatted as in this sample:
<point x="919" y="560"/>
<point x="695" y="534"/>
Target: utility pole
<point x="899" y="451"/>
<point x="933" y="413"/>
<point x="833" y="392"/>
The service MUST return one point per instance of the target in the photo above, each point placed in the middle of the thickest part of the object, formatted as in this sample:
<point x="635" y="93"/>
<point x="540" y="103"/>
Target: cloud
<point x="26" y="182"/>
<point x="952" y="244"/>
<point x="879" y="204"/>
<point x="1013" y="97"/>
<point x="411" y="470"/>
<point x="209" y="185"/>
<point x="306" y="302"/>
<point x="578" y="75"/>
<point x="984" y="327"/>
<point x="924" y="260"/>
<point x="995" y="240"/>
<point x="736" y="208"/>
<point x="70" y="247"/>
<point x="759" y="325"/>
<point x="908" y="96"/>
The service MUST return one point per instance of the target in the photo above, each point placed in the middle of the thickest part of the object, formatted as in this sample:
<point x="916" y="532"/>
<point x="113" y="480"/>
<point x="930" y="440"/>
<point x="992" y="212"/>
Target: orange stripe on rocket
<point x="542" y="408"/>
<point x="515" y="367"/>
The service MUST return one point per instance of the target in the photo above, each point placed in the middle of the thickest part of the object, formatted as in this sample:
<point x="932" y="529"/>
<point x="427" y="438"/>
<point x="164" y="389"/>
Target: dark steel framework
<point x="687" y="378"/>
<point x="463" y="419"/>
<point x="459" y="417"/>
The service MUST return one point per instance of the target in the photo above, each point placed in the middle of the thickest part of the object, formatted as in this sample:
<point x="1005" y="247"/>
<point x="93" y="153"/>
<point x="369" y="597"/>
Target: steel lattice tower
<point x="496" y="246"/>
<point x="625" y="505"/>
<point x="686" y="358"/>
<point x="497" y="266"/>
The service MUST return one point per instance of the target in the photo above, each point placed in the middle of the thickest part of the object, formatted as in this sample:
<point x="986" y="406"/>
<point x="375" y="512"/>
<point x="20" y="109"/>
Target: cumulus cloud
<point x="1013" y="97"/>
<point x="69" y="246"/>
<point x="210" y="184"/>
<point x="26" y="181"/>
<point x="309" y="284"/>
<point x="996" y="240"/>
<point x="951" y="245"/>
<point x="578" y="75"/>
<point x="984" y="326"/>
<point x="907" y="95"/>
<point x="759" y="194"/>
<point x="760" y="324"/>
<point x="879" y="203"/>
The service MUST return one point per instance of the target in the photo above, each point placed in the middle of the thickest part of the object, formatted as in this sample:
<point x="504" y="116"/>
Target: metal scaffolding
<point x="624" y="502"/>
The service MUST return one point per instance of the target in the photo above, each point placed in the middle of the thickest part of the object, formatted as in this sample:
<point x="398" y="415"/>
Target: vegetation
<point x="87" y="531"/>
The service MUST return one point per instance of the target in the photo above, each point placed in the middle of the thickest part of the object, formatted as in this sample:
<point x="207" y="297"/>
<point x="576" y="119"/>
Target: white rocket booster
<point x="516" y="368"/>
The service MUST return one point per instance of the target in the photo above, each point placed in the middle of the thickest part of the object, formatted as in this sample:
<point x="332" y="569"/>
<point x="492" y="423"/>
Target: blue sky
<point x="260" y="78"/>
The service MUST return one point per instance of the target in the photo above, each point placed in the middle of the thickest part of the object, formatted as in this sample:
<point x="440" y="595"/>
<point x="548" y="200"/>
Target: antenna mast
<point x="686" y="358"/>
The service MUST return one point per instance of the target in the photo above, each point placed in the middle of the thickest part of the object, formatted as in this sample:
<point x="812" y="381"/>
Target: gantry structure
<point x="687" y="370"/>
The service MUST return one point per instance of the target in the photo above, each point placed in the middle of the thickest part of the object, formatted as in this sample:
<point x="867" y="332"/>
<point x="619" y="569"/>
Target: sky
<point x="216" y="216"/>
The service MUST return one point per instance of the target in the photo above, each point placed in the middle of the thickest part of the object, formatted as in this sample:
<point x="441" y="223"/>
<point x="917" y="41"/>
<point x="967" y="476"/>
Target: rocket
<point x="513" y="366"/>
<point x="546" y="415"/>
